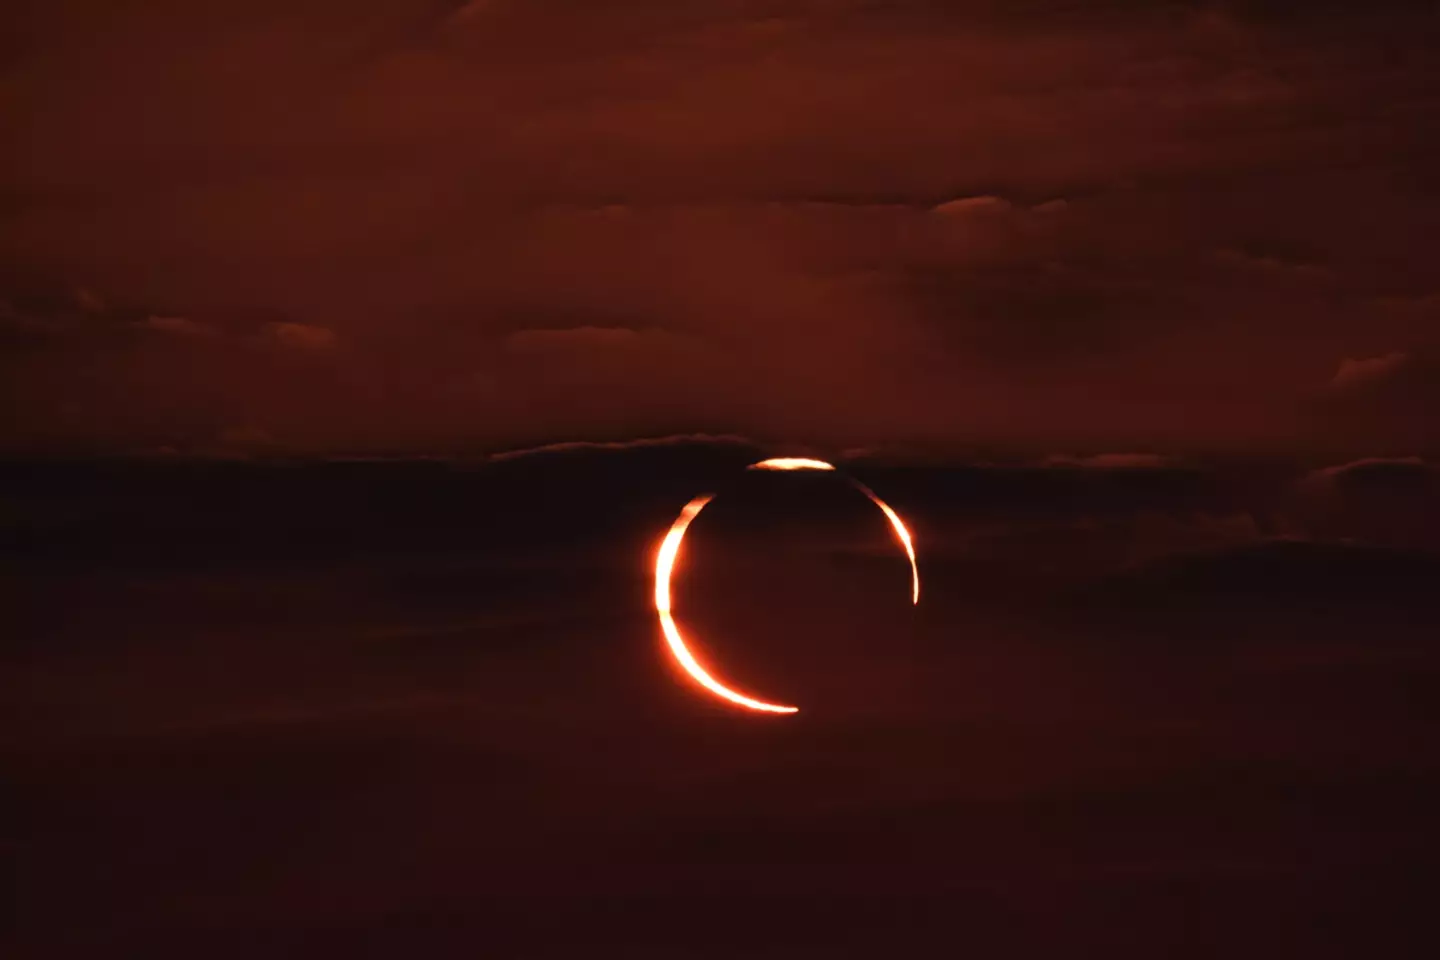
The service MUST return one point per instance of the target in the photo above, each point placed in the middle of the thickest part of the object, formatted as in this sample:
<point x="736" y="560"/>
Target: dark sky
<point x="326" y="226"/>
<point x="423" y="709"/>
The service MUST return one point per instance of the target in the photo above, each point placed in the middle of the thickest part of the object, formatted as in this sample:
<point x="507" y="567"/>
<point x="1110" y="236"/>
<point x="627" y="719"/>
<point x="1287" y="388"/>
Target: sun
<point x="668" y="556"/>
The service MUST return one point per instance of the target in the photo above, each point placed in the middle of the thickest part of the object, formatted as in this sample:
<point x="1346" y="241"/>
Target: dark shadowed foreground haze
<point x="423" y="708"/>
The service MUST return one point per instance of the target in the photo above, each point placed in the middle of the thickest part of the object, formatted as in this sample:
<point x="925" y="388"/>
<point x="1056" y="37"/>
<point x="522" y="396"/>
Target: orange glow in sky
<point x="669" y="554"/>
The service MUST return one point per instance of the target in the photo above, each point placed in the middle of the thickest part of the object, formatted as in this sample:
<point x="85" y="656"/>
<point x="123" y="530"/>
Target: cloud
<point x="1269" y="264"/>
<point x="792" y="200"/>
<point x="1421" y="306"/>
<point x="17" y="324"/>
<point x="643" y="443"/>
<point x="300" y="336"/>
<point x="1388" y="501"/>
<point x="1369" y="467"/>
<point x="599" y="379"/>
<point x="1384" y="402"/>
<point x="177" y="326"/>
<point x="1354" y="373"/>
<point x="601" y="354"/>
<point x="89" y="301"/>
<point x="239" y="442"/>
<point x="1319" y="574"/>
<point x="571" y="339"/>
<point x="972" y="206"/>
<point x="467" y="11"/>
<point x="1111" y="461"/>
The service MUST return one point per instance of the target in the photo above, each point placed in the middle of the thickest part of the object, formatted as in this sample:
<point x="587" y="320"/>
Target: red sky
<point x="327" y="226"/>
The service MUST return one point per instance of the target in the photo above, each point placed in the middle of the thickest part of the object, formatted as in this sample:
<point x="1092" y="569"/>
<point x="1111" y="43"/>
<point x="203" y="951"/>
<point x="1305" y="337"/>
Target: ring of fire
<point x="669" y="553"/>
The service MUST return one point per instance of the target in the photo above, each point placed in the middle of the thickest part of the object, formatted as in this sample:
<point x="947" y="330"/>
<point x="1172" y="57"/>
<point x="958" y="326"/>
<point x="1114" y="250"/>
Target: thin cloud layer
<point x="642" y="443"/>
<point x="177" y="326"/>
<point x="411" y="226"/>
<point x="300" y="336"/>
<point x="1355" y="373"/>
<point x="1385" y="402"/>
<point x="1112" y="461"/>
<point x="1393" y="501"/>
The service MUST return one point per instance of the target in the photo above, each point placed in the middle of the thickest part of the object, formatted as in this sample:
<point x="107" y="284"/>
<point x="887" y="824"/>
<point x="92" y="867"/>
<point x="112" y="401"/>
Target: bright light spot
<point x="791" y="463"/>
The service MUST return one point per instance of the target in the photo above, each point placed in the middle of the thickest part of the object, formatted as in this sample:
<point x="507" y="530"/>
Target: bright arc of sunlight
<point x="669" y="554"/>
<point x="664" y="566"/>
<point x="902" y="534"/>
<point x="791" y="463"/>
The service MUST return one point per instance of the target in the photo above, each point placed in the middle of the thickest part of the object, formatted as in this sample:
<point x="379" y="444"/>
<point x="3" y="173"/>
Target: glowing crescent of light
<point x="670" y="551"/>
<point x="802" y="463"/>
<point x="791" y="463"/>
<point x="664" y="564"/>
<point x="902" y="534"/>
